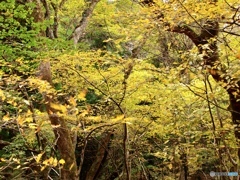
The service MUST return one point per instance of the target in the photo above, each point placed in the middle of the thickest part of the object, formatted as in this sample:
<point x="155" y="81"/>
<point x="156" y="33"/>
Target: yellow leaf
<point x="120" y="117"/>
<point x="12" y="102"/>
<point x="28" y="119"/>
<point x="2" y="159"/>
<point x="6" y="117"/>
<point x="20" y="120"/>
<point x="84" y="113"/>
<point x="55" y="162"/>
<point x="129" y="123"/>
<point x="58" y="107"/>
<point x="82" y="95"/>
<point x="28" y="113"/>
<point x="42" y="168"/>
<point x="46" y="162"/>
<point x="94" y="118"/>
<point x="107" y="40"/>
<point x="129" y="119"/>
<point x="32" y="125"/>
<point x="50" y="160"/>
<point x="2" y="96"/>
<point x="39" y="156"/>
<point x="61" y="161"/>
<point x="50" y="112"/>
<point x="16" y="160"/>
<point x="72" y="101"/>
<point x="170" y="166"/>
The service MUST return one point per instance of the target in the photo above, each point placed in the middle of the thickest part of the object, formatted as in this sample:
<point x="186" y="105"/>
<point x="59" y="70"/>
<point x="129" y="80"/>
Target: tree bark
<point x="80" y="29"/>
<point x="61" y="131"/>
<point x="49" y="31"/>
<point x="55" y="24"/>
<point x="101" y="155"/>
<point x="37" y="11"/>
<point x="206" y="42"/>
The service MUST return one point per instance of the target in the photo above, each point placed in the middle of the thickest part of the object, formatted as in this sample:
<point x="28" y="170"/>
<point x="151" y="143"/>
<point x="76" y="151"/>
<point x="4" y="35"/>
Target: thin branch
<point x="97" y="88"/>
<point x="209" y="106"/>
<point x="205" y="98"/>
<point x="215" y="102"/>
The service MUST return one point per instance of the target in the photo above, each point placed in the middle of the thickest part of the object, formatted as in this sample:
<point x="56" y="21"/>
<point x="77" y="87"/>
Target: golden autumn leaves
<point x="52" y="162"/>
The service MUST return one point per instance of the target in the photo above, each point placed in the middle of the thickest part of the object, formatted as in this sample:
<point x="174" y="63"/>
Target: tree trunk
<point x="49" y="31"/>
<point x="206" y="42"/>
<point x="80" y="29"/>
<point x="55" y="24"/>
<point x="100" y="156"/>
<point x="37" y="11"/>
<point x="61" y="131"/>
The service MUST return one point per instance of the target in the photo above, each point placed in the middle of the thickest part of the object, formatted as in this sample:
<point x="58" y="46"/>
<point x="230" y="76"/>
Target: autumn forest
<point x="119" y="89"/>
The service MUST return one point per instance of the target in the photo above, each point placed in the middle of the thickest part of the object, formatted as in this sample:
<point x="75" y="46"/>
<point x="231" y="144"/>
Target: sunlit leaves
<point x="49" y="162"/>
<point x="43" y="86"/>
<point x="94" y="119"/>
<point x="38" y="158"/>
<point x="6" y="117"/>
<point x="2" y="96"/>
<point x="25" y="118"/>
<point x="58" y="107"/>
<point x="72" y="101"/>
<point x="118" y="118"/>
<point x="91" y="90"/>
<point x="82" y="94"/>
<point x="61" y="161"/>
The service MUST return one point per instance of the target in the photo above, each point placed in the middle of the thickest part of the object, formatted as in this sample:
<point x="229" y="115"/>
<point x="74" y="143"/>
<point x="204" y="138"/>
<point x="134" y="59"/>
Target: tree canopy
<point x="119" y="89"/>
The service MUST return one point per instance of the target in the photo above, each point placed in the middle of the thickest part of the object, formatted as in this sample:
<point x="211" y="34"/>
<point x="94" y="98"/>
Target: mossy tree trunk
<point x="62" y="134"/>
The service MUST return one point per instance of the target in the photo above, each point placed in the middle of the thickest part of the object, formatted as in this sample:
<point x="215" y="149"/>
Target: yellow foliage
<point x="43" y="86"/>
<point x="94" y="118"/>
<point x="20" y="120"/>
<point x="42" y="168"/>
<point x="61" y="161"/>
<point x="72" y="101"/>
<point x="170" y="166"/>
<point x="12" y="102"/>
<point x="82" y="95"/>
<point x="2" y="159"/>
<point x="6" y="117"/>
<point x="2" y="96"/>
<point x="83" y="114"/>
<point x="118" y="118"/>
<point x="59" y="107"/>
<point x="51" y="162"/>
<point x="32" y="125"/>
<point x="171" y="109"/>
<point x="39" y="156"/>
